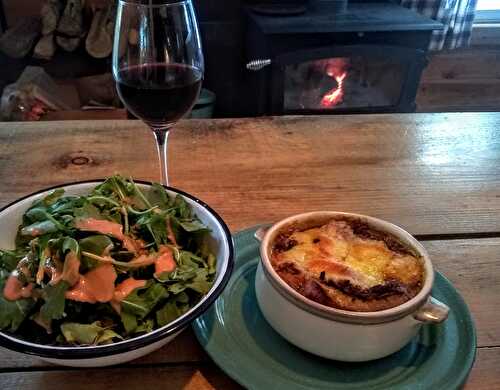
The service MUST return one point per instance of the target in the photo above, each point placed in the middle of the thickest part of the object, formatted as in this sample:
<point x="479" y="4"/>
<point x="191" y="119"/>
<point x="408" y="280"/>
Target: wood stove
<point x="368" y="59"/>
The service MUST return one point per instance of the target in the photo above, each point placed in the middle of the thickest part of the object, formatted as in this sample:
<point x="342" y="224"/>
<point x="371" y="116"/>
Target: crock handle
<point x="261" y="232"/>
<point x="432" y="312"/>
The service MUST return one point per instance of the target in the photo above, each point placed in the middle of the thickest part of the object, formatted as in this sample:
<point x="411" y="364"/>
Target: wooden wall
<point x="466" y="79"/>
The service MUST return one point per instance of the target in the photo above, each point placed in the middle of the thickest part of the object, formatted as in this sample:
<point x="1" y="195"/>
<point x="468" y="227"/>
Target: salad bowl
<point x="219" y="241"/>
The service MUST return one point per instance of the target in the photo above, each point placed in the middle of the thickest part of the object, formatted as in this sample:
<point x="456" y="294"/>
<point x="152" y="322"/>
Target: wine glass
<point x="157" y="64"/>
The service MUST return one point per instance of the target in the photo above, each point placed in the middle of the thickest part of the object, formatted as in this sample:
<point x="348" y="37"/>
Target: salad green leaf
<point x="129" y="322"/>
<point x="39" y="228"/>
<point x="52" y="197"/>
<point x="13" y="313"/>
<point x="9" y="260"/>
<point x="96" y="245"/>
<point x="167" y="313"/>
<point x="88" y="334"/>
<point x="158" y="197"/>
<point x="53" y="307"/>
<point x="141" y="301"/>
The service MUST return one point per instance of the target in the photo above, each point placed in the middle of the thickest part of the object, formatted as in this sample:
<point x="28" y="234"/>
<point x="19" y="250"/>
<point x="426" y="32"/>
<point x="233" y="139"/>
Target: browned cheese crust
<point x="347" y="265"/>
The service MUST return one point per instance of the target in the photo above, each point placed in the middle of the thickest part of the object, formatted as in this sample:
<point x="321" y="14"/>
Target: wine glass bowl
<point x="157" y="64"/>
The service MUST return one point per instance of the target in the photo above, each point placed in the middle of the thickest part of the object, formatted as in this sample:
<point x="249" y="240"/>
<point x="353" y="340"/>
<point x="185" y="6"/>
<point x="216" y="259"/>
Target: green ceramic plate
<point x="238" y="338"/>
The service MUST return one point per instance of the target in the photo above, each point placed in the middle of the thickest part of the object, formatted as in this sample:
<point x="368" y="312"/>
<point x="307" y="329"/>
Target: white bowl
<point x="122" y="351"/>
<point x="341" y="334"/>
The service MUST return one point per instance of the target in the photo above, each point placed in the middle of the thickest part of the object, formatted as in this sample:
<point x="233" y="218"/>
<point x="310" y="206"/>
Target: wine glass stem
<point x="161" y="136"/>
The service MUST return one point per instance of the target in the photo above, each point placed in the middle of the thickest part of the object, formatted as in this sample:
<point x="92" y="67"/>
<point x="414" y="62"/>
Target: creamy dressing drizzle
<point x="97" y="285"/>
<point x="123" y="289"/>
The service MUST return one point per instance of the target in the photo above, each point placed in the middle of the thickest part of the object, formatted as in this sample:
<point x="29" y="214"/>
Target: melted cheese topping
<point x="334" y="253"/>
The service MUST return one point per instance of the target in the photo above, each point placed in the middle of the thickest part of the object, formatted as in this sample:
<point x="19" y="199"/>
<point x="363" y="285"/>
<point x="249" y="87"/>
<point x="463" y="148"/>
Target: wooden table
<point x="437" y="175"/>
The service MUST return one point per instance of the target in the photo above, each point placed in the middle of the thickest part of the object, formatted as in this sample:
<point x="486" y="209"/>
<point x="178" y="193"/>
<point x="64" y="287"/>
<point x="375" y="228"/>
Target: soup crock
<point x="340" y="334"/>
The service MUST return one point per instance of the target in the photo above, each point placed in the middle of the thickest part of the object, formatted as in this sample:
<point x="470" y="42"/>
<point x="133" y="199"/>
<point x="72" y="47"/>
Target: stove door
<point x="359" y="78"/>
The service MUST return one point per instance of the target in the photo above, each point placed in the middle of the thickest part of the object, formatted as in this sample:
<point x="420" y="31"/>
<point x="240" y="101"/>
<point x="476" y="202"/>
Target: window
<point x="487" y="11"/>
<point x="483" y="5"/>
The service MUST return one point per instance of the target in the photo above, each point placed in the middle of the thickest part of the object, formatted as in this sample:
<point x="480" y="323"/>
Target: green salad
<point x="96" y="269"/>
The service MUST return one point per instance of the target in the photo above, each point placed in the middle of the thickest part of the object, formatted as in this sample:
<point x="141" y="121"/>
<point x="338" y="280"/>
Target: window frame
<point x="484" y="16"/>
<point x="487" y="16"/>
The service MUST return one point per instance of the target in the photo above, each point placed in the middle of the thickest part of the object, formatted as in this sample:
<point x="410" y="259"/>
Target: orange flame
<point x="335" y="96"/>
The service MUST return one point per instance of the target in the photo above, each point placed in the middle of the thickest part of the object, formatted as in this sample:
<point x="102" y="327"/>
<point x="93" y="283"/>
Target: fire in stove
<point x="336" y="95"/>
<point x="336" y="69"/>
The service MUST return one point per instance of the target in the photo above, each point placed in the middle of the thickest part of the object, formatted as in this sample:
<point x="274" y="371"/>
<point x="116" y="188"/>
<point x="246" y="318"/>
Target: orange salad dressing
<point x="97" y="285"/>
<point x="15" y="290"/>
<point x="123" y="289"/>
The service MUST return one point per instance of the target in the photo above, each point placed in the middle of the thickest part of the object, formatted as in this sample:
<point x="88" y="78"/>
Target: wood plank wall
<point x="466" y="79"/>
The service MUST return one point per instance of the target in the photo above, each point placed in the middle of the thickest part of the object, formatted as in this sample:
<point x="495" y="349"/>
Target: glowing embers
<point x="336" y="69"/>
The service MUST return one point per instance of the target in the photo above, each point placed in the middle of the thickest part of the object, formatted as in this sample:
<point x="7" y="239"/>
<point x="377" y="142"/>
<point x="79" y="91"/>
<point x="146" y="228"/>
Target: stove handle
<point x="258" y="64"/>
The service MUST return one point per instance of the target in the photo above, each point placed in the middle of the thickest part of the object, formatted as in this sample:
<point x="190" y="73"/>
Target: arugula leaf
<point x="39" y="247"/>
<point x="184" y="272"/>
<point x="38" y="214"/>
<point x="120" y="190"/>
<point x="158" y="227"/>
<point x="51" y="198"/>
<point x="188" y="275"/>
<point x="87" y="334"/>
<point x="103" y="201"/>
<point x="39" y="228"/>
<point x="129" y="322"/>
<point x="66" y="205"/>
<point x="107" y="337"/>
<point x="87" y="210"/>
<point x="183" y="210"/>
<point x="96" y="245"/>
<point x="9" y="260"/>
<point x="145" y="327"/>
<point x="12" y="313"/>
<point x="175" y="228"/>
<point x="141" y="301"/>
<point x="107" y="188"/>
<point x="70" y="245"/>
<point x="201" y="286"/>
<point x="157" y="196"/>
<point x="201" y="283"/>
<point x="170" y="311"/>
<point x="193" y="225"/>
<point x="136" y="196"/>
<point x="71" y="267"/>
<point x="167" y="313"/>
<point x="176" y="288"/>
<point x="53" y="308"/>
<point x="182" y="298"/>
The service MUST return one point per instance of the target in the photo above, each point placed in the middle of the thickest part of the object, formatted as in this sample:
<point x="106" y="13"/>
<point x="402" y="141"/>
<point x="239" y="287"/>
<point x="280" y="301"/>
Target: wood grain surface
<point x="436" y="175"/>
<point x="430" y="173"/>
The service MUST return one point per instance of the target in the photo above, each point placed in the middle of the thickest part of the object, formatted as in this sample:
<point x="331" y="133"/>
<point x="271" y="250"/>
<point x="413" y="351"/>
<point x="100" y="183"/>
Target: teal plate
<point x="238" y="338"/>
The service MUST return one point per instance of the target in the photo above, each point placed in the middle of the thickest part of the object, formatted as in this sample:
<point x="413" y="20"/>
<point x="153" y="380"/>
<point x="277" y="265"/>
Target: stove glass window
<point x="340" y="83"/>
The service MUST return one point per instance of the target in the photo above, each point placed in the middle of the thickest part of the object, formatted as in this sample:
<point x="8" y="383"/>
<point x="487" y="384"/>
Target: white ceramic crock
<point x="123" y="351"/>
<point x="340" y="334"/>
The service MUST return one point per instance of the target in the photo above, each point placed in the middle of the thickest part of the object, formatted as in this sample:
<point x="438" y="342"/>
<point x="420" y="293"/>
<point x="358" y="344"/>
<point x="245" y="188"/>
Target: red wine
<point x="159" y="94"/>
